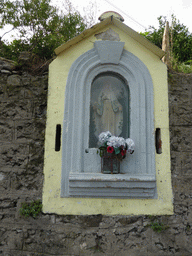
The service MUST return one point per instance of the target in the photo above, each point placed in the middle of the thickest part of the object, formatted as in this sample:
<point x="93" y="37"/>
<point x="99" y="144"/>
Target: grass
<point x="31" y="209"/>
<point x="158" y="227"/>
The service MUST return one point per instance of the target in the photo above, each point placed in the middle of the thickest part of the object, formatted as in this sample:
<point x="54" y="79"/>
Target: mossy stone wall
<point x="22" y="125"/>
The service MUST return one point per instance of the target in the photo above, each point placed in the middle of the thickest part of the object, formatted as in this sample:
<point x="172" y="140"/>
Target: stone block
<point x="17" y="109"/>
<point x="127" y="220"/>
<point x="12" y="155"/>
<point x="24" y="130"/>
<point x="29" y="130"/>
<point x="183" y="242"/>
<point x="40" y="81"/>
<point x="6" y="130"/>
<point x="7" y="64"/>
<point x="181" y="163"/>
<point x="2" y="91"/>
<point x="26" y="79"/>
<point x="181" y="138"/>
<point x="14" y="80"/>
<point x="30" y="180"/>
<point x="74" y="246"/>
<point x="31" y="246"/>
<point x="107" y="222"/>
<point x="15" y="241"/>
<point x="180" y="114"/>
<point x="182" y="184"/>
<point x="55" y="246"/>
<point x="107" y="241"/>
<point x="29" y="94"/>
<point x="19" y="253"/>
<point x="91" y="221"/>
<point x="15" y="92"/>
<point x="5" y="71"/>
<point x="4" y="181"/>
<point x="40" y="110"/>
<point x="2" y="176"/>
<point x="36" y="156"/>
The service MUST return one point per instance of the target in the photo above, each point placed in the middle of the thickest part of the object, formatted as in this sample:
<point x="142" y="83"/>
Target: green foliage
<point x="12" y="50"/>
<point x="41" y="27"/>
<point x="117" y="151"/>
<point x="180" y="38"/>
<point x="31" y="209"/>
<point x="156" y="224"/>
<point x="185" y="67"/>
<point x="156" y="35"/>
<point x="158" y="227"/>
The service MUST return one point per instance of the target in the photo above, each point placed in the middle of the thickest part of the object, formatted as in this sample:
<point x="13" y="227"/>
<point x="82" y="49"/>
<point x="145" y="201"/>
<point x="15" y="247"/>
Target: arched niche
<point x="109" y="107"/>
<point x="81" y="170"/>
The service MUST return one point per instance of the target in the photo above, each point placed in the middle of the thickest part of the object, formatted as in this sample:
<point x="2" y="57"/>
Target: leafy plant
<point x="180" y="38"/>
<point x="40" y="27"/>
<point x="158" y="227"/>
<point x="31" y="209"/>
<point x="185" y="67"/>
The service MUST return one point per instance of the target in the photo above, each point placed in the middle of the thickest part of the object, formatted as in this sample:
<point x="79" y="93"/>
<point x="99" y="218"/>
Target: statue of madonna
<point x="108" y="112"/>
<point x="109" y="107"/>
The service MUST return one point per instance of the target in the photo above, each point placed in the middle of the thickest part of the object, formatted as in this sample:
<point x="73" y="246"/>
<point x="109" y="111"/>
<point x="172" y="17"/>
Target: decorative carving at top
<point x="108" y="14"/>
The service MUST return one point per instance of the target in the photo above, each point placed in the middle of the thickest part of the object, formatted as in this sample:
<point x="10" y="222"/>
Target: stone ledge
<point x="112" y="185"/>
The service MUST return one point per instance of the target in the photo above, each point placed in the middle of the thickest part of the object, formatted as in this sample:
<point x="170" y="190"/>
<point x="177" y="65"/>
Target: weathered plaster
<point x="59" y="69"/>
<point x="109" y="34"/>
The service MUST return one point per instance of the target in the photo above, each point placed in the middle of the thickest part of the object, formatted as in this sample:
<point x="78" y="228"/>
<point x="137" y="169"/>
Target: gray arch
<point x="80" y="171"/>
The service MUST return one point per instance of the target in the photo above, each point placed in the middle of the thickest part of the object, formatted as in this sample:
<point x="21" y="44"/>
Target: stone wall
<point x="22" y="126"/>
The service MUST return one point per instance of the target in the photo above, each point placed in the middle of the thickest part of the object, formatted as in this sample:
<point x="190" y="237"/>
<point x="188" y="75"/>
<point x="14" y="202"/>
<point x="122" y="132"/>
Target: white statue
<point x="108" y="112"/>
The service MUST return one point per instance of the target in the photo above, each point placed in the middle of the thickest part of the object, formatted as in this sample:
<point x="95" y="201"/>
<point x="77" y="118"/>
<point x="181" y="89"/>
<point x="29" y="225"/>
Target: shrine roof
<point x="112" y="20"/>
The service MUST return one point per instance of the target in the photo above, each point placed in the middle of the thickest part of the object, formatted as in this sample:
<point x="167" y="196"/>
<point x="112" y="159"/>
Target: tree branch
<point x="6" y="33"/>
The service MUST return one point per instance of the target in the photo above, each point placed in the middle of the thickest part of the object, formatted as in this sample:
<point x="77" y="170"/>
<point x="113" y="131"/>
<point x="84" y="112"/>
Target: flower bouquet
<point x="113" y="150"/>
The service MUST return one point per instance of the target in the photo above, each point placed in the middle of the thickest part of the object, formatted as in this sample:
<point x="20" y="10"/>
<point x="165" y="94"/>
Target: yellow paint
<point x="58" y="71"/>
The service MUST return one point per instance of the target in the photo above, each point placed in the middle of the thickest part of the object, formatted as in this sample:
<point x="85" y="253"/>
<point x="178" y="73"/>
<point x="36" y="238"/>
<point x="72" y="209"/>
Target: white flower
<point x="111" y="141"/>
<point x="104" y="136"/>
<point x="116" y="142"/>
<point x="121" y="141"/>
<point x="130" y="145"/>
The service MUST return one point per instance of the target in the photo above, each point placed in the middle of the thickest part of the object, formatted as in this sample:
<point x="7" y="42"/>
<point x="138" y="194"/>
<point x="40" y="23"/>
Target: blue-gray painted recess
<point x="79" y="163"/>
